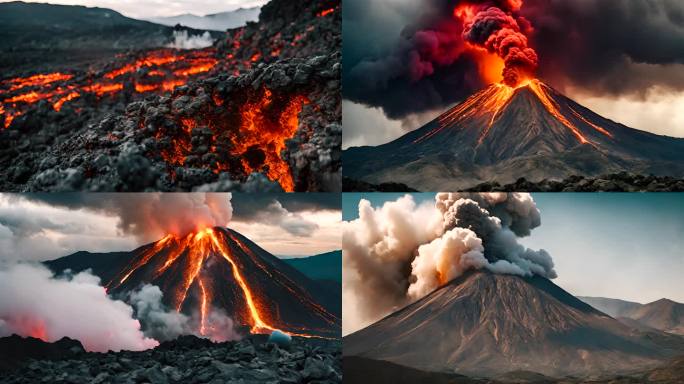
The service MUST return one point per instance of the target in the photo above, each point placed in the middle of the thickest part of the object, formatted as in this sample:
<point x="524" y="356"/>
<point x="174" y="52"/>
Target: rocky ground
<point x="283" y="71"/>
<point x="620" y="182"/>
<point x="193" y="360"/>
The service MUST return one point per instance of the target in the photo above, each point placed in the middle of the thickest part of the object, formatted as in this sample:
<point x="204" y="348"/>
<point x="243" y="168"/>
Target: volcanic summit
<point x="503" y="133"/>
<point x="219" y="268"/>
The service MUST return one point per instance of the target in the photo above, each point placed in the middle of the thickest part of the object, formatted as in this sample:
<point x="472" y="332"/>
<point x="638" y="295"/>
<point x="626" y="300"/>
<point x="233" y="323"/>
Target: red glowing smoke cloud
<point x="495" y="26"/>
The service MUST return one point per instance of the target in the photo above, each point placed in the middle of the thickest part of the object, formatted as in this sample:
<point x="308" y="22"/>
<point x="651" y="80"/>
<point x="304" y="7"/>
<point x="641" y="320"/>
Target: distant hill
<point x="664" y="314"/>
<point x="326" y="266"/>
<point x="33" y="35"/>
<point x="214" y="22"/>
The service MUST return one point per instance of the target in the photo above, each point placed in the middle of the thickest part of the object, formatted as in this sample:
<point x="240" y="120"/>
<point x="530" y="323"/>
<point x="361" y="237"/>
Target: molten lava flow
<point x="146" y="256"/>
<point x="286" y="282"/>
<point x="259" y="130"/>
<point x="58" y="104"/>
<point x="38" y="80"/>
<point x="492" y="101"/>
<point x="192" y="254"/>
<point x="204" y="308"/>
<point x="156" y="71"/>
<point x="325" y="12"/>
<point x="589" y="123"/>
<point x="259" y="325"/>
<point x="552" y="108"/>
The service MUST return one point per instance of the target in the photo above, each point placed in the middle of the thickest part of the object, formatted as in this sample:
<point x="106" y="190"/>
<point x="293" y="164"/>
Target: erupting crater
<point x="219" y="268"/>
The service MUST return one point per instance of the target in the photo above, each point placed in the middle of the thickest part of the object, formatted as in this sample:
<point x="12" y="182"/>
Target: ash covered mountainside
<point x="486" y="324"/>
<point x="502" y="134"/>
<point x="259" y="110"/>
<point x="219" y="268"/>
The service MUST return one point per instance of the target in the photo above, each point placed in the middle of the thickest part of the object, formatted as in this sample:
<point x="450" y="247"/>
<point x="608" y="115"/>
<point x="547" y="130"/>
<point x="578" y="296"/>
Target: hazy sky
<point x="296" y="225"/>
<point x="626" y="246"/>
<point x="143" y="9"/>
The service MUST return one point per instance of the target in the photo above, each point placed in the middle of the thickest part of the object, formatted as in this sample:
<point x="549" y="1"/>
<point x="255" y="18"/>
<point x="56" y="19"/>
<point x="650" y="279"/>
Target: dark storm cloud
<point x="388" y="72"/>
<point x="609" y="46"/>
<point x="614" y="47"/>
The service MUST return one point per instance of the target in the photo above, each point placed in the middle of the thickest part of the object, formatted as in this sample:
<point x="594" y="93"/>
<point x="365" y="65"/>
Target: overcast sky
<point x="144" y="9"/>
<point x="618" y="245"/>
<point x="283" y="224"/>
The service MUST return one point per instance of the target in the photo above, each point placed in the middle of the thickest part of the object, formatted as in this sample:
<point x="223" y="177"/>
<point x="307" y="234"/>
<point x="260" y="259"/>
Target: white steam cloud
<point x="161" y="324"/>
<point x="400" y="252"/>
<point x="151" y="216"/>
<point x="33" y="302"/>
<point x="183" y="40"/>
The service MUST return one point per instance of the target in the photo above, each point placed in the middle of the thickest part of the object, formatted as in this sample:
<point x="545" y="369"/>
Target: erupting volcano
<point x="516" y="127"/>
<point x="485" y="324"/>
<point x="220" y="268"/>
<point x="503" y="133"/>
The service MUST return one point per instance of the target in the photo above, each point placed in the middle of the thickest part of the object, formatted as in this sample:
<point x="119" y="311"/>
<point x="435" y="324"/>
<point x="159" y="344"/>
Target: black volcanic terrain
<point x="502" y="134"/>
<point x="490" y="325"/>
<point x="227" y="270"/>
<point x="259" y="110"/>
<point x="186" y="360"/>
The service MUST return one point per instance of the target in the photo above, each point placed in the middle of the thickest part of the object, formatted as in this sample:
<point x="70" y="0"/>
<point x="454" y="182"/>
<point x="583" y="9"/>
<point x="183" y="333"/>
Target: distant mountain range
<point x="326" y="266"/>
<point x="664" y="314"/>
<point x="214" y="22"/>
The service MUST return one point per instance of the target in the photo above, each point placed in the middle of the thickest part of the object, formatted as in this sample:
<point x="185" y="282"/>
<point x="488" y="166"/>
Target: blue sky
<point x="621" y="245"/>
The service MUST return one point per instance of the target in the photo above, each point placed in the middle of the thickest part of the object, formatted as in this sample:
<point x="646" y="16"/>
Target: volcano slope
<point x="219" y="268"/>
<point x="260" y="110"/>
<point x="484" y="324"/>
<point x="501" y="134"/>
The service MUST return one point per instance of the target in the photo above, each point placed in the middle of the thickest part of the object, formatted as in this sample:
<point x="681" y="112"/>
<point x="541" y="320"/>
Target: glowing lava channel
<point x="493" y="100"/>
<point x="198" y="247"/>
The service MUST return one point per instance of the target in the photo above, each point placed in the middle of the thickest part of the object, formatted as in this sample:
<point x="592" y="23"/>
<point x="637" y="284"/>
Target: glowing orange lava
<point x="38" y="80"/>
<point x="493" y="100"/>
<point x="164" y="71"/>
<point x="261" y="131"/>
<point x="197" y="248"/>
<point x="58" y="104"/>
<point x="325" y="12"/>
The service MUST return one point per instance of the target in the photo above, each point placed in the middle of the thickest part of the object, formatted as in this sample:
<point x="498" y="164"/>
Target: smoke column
<point x="151" y="216"/>
<point x="35" y="303"/>
<point x="494" y="26"/>
<point x="400" y="252"/>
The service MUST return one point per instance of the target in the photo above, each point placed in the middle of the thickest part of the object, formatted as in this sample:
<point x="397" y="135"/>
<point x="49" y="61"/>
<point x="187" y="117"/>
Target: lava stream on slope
<point x="215" y="268"/>
<point x="494" y="99"/>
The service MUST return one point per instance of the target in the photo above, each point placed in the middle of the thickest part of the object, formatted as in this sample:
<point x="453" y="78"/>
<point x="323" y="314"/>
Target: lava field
<point x="260" y="110"/>
<point x="188" y="360"/>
